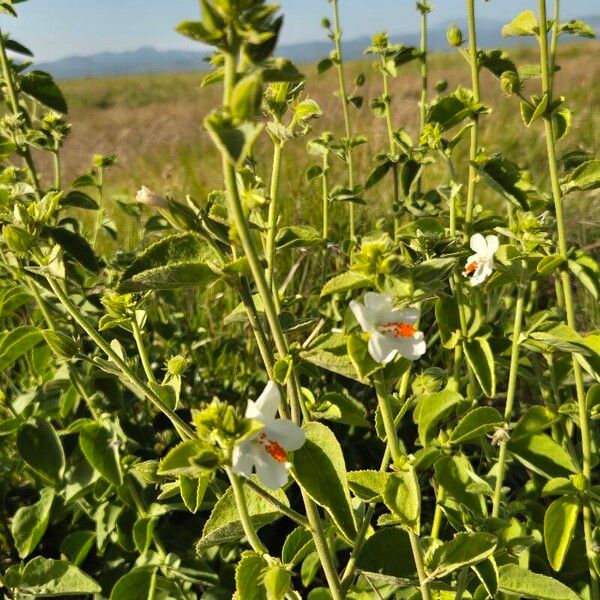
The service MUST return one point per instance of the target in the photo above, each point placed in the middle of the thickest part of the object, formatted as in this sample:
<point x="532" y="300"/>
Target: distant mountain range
<point x="151" y="60"/>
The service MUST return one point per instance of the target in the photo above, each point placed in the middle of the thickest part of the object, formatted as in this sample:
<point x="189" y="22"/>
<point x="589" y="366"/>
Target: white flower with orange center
<point x="481" y="264"/>
<point x="267" y="452"/>
<point x="392" y="329"/>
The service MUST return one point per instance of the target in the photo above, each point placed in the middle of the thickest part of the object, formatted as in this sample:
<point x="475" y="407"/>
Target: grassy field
<point x="153" y="124"/>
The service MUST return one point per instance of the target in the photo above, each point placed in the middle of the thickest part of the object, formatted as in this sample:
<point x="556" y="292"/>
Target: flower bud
<point x="510" y="82"/>
<point x="454" y="36"/>
<point x="177" y="365"/>
<point x="150" y="199"/>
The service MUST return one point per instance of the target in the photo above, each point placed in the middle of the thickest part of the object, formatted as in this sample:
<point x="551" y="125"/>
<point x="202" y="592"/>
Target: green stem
<point x="57" y="168"/>
<point x="474" y="63"/>
<point x="182" y="428"/>
<point x="325" y="183"/>
<point x="339" y="63"/>
<point x="273" y="215"/>
<point x="14" y="103"/>
<point x="137" y="334"/>
<point x="243" y="230"/>
<point x="392" y="144"/>
<point x="512" y="385"/>
<point x="586" y="448"/>
<point x="424" y="69"/>
<point x="99" y="212"/>
<point x="438" y="514"/>
<point x="398" y="457"/>
<point x="242" y="510"/>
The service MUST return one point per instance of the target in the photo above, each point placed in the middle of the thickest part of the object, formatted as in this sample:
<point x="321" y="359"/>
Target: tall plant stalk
<point x="474" y="63"/>
<point x="393" y="444"/>
<point x="273" y="217"/>
<point x="512" y="386"/>
<point x="424" y="9"/>
<point x="242" y="227"/>
<point x="584" y="422"/>
<point x="339" y="64"/>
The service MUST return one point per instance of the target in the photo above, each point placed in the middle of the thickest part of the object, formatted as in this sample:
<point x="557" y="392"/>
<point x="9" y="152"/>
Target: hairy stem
<point x="139" y="342"/>
<point x="512" y="386"/>
<point x="397" y="455"/>
<point x="474" y="63"/>
<point x="586" y="447"/>
<point x="242" y="510"/>
<point x="392" y="145"/>
<point x="339" y="63"/>
<point x="273" y="215"/>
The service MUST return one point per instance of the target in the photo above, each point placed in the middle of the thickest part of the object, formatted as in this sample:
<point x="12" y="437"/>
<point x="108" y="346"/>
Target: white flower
<point x="267" y="451"/>
<point x="392" y="329"/>
<point x="481" y="264"/>
<point x="150" y="199"/>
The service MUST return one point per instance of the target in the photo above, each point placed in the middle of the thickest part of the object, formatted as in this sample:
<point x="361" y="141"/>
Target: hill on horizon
<point x="148" y="59"/>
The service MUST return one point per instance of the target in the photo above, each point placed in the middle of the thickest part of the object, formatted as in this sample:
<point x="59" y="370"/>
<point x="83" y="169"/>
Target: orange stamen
<point x="399" y="329"/>
<point x="471" y="268"/>
<point x="276" y="451"/>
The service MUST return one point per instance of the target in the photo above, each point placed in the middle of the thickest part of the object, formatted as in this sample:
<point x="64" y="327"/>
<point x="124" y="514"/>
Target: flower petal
<point x="482" y="272"/>
<point x="493" y="243"/>
<point x="243" y="459"/>
<point x="272" y="473"/>
<point x="383" y="348"/>
<point x="363" y="315"/>
<point x="402" y="315"/>
<point x="378" y="302"/>
<point x="478" y="244"/>
<point x="412" y="348"/>
<point x="286" y="433"/>
<point x="265" y="407"/>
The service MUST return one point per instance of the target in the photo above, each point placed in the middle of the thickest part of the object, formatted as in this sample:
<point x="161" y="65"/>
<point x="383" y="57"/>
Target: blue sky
<point x="57" y="28"/>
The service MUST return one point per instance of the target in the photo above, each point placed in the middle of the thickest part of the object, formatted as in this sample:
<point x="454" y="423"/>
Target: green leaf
<point x="476" y="423"/>
<point x="562" y="118"/>
<point x="320" y="469"/>
<point x="77" y="545"/>
<point x="387" y="552"/>
<point x="143" y="529"/>
<point x="344" y="282"/>
<point x="506" y="178"/>
<point x="192" y="490"/>
<point x="453" y="472"/>
<point x="432" y="409"/>
<point x="340" y="408"/>
<point x="41" y="448"/>
<point x="41" y="87"/>
<point x="17" y="342"/>
<point x="584" y="177"/>
<point x="447" y="318"/>
<point x="540" y="453"/>
<point x="297" y="236"/>
<point x="30" y="522"/>
<point x="224" y="527"/>
<point x="233" y="141"/>
<point x="49" y="578"/>
<point x="402" y="495"/>
<point x="549" y="264"/>
<point x="173" y="262"/>
<point x="297" y="546"/>
<point x="99" y="446"/>
<point x="178" y="460"/>
<point x="523" y="24"/>
<point x="518" y="581"/>
<point x="560" y="521"/>
<point x="368" y="485"/>
<point x="78" y="199"/>
<point x="534" y="420"/>
<point x="11" y="299"/>
<point x="587" y="270"/>
<point x="75" y="246"/>
<point x="377" y="174"/>
<point x="464" y="550"/>
<point x="480" y="357"/>
<point x="358" y="352"/>
<point x="330" y="352"/>
<point x="247" y="577"/>
<point x="577" y="27"/>
<point x="449" y="111"/>
<point x="324" y="65"/>
<point x="139" y="584"/>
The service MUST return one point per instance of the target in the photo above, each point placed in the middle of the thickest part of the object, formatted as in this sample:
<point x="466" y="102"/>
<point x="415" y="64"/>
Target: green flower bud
<point x="177" y="365"/>
<point x="454" y="36"/>
<point x="510" y="82"/>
